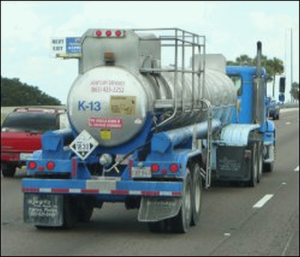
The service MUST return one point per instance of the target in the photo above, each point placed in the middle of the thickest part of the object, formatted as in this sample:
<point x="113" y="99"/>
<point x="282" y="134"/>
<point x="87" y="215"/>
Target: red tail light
<point x="32" y="165"/>
<point x="110" y="33"/>
<point x="174" y="168"/>
<point x="118" y="33"/>
<point x="155" y="168"/>
<point x="98" y="33"/>
<point x="50" y="165"/>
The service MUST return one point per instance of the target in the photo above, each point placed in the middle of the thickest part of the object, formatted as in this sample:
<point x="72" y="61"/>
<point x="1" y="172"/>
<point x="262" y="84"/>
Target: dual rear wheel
<point x="256" y="165"/>
<point x="75" y="209"/>
<point x="189" y="213"/>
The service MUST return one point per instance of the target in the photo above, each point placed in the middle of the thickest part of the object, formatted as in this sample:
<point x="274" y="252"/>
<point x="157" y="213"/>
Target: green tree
<point x="273" y="66"/>
<point x="16" y="93"/>
<point x="243" y="60"/>
<point x="295" y="91"/>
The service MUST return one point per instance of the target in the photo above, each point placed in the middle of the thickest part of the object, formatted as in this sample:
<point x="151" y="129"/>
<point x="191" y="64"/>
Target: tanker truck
<point x="148" y="133"/>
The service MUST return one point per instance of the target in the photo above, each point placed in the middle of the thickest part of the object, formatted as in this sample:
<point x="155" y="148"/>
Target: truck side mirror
<point x="282" y="85"/>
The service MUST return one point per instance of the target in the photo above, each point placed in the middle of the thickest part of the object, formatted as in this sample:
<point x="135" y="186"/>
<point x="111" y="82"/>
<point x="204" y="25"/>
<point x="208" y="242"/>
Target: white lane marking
<point x="297" y="169"/>
<point x="287" y="245"/>
<point x="262" y="201"/>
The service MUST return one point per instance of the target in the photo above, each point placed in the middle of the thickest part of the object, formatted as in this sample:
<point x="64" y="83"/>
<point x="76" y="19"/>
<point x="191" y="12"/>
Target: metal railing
<point x="181" y="41"/>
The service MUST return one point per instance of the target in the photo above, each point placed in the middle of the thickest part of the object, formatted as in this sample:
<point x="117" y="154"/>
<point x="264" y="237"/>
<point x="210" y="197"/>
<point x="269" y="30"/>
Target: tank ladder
<point x="206" y="174"/>
<point x="181" y="42"/>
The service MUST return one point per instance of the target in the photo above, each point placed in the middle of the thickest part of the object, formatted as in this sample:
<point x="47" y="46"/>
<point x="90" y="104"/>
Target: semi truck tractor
<point x="153" y="119"/>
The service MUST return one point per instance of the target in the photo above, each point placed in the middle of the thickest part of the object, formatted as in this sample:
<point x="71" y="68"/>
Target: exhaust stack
<point x="258" y="89"/>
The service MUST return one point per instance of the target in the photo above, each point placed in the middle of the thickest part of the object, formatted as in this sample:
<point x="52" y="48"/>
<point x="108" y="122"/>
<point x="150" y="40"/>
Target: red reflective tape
<point x="176" y="193"/>
<point x="74" y="167"/>
<point x="120" y="192"/>
<point x="153" y="193"/>
<point x="30" y="189"/>
<point x="59" y="190"/>
<point x="93" y="191"/>
<point x="130" y="167"/>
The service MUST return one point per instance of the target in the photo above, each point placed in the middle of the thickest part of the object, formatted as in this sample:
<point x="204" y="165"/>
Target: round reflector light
<point x="118" y="33"/>
<point x="98" y="33"/>
<point x="108" y="33"/>
<point x="32" y="165"/>
<point x="173" y="168"/>
<point x="155" y="167"/>
<point x="50" y="165"/>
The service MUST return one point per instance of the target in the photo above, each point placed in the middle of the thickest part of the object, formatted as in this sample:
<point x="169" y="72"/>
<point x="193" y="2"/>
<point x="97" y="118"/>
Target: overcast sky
<point x="231" y="28"/>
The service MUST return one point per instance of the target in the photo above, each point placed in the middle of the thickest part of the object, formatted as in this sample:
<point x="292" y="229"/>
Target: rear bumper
<point x="10" y="157"/>
<point x="105" y="186"/>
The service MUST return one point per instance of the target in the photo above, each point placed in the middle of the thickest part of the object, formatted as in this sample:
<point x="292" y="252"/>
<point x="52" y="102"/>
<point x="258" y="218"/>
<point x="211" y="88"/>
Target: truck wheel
<point x="268" y="167"/>
<point x="182" y="221"/>
<point x="70" y="211"/>
<point x="196" y="194"/>
<point x="85" y="208"/>
<point x="156" y="227"/>
<point x="253" y="176"/>
<point x="8" y="169"/>
<point x="259" y="162"/>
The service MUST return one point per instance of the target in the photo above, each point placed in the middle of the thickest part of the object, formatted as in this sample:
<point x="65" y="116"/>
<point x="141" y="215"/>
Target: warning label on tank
<point x="122" y="105"/>
<point x="106" y="123"/>
<point x="105" y="134"/>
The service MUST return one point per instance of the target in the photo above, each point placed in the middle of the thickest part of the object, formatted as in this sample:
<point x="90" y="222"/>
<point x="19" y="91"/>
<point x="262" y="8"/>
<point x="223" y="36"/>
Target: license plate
<point x="25" y="156"/>
<point x="141" y="172"/>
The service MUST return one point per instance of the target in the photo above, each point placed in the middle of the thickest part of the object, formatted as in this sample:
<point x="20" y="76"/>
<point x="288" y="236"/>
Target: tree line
<point x="273" y="67"/>
<point x="16" y="93"/>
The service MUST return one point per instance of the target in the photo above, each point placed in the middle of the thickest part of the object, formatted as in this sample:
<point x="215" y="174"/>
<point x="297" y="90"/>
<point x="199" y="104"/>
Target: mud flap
<point x="43" y="209"/>
<point x="156" y="209"/>
<point x="233" y="163"/>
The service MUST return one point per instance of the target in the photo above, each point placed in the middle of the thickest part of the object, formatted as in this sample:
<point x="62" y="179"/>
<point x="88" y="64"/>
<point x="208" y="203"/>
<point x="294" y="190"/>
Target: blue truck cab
<point x="252" y="103"/>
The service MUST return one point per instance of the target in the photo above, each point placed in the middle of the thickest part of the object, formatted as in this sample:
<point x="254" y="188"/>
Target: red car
<point x="21" y="134"/>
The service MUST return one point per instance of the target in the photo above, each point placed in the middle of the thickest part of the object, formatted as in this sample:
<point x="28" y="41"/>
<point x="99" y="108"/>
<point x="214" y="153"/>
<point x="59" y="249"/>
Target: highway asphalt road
<point x="235" y="220"/>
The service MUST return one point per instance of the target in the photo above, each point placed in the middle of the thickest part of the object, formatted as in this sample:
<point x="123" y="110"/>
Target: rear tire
<point x="8" y="169"/>
<point x="156" y="227"/>
<point x="182" y="221"/>
<point x="85" y="208"/>
<point x="70" y="211"/>
<point x="196" y="194"/>
<point x="268" y="167"/>
<point x="254" y="167"/>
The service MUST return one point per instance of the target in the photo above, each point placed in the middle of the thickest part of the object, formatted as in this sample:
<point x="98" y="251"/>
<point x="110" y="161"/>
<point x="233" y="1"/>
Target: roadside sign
<point x="83" y="145"/>
<point x="73" y="45"/>
<point x="65" y="47"/>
